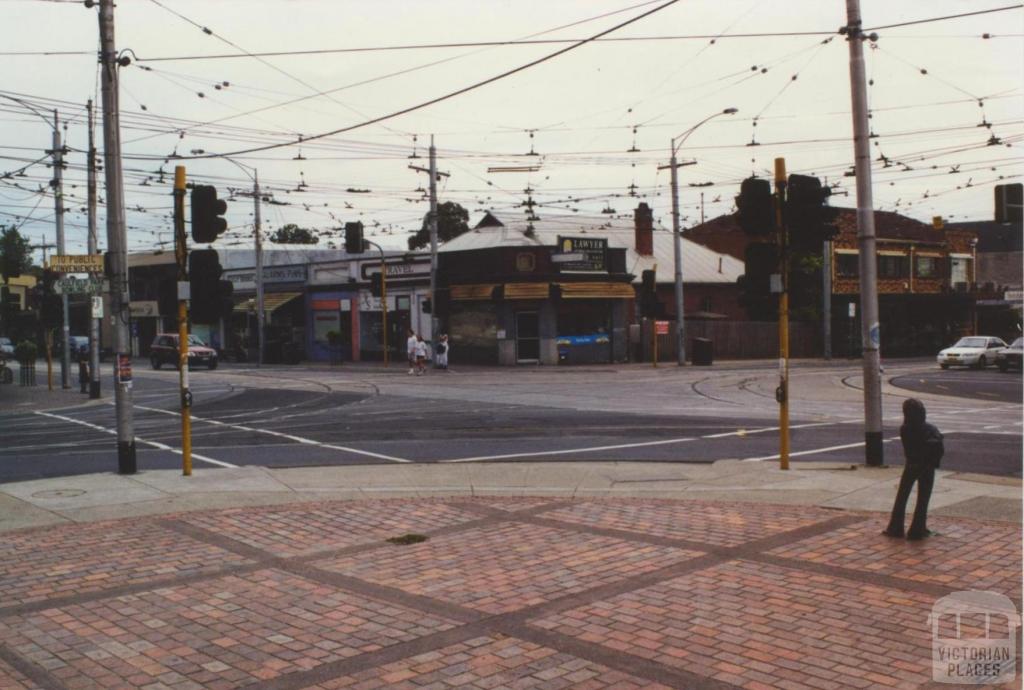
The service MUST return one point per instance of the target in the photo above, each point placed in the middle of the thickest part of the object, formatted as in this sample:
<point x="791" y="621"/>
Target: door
<point x="527" y="337"/>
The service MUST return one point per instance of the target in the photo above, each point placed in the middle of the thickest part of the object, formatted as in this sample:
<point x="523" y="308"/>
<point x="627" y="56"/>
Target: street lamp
<point x="677" y="244"/>
<point x="255" y="177"/>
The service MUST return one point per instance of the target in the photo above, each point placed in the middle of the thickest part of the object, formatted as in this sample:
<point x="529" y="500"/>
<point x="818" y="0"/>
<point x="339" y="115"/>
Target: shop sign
<point x="76" y="263"/>
<point x="396" y="270"/>
<point x="78" y="286"/>
<point x="1014" y="295"/>
<point x="368" y="302"/>
<point x="144" y="309"/>
<point x="661" y="327"/>
<point x="245" y="279"/>
<point x="592" y="249"/>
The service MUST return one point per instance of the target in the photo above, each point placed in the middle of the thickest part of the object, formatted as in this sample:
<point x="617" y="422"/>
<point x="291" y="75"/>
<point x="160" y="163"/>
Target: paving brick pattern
<point x="486" y="663"/>
<point x="968" y="554"/>
<point x="721" y="524"/>
<point x="299" y="530"/>
<point x="41" y="564"/>
<point x="223" y="632"/>
<point x="510" y="592"/>
<point x="506" y="567"/>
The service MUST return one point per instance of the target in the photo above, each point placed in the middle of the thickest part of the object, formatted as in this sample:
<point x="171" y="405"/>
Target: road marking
<point x="278" y="434"/>
<point x="816" y="450"/>
<point x="155" y="444"/>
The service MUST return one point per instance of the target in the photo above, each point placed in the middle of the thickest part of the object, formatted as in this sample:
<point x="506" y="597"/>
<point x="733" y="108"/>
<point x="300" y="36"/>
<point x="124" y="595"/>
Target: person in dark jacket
<point x="923" y="450"/>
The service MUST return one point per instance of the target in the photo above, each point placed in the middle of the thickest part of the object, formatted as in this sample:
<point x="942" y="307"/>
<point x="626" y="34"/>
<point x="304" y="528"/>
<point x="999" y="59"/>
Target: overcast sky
<point x="600" y="118"/>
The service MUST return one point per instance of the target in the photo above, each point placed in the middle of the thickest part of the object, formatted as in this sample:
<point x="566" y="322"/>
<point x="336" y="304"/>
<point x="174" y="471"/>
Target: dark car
<point x="1010" y="357"/>
<point x="165" y="351"/>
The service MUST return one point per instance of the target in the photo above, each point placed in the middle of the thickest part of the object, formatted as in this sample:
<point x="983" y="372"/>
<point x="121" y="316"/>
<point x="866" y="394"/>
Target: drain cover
<point x="58" y="493"/>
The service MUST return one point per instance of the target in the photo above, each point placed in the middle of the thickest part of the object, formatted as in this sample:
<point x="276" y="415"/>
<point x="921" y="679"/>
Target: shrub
<point x="25" y="352"/>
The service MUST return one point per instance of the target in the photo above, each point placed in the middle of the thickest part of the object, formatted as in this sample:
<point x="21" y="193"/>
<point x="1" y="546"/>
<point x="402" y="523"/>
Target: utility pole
<point x="433" y="249"/>
<point x="58" y="206"/>
<point x="181" y="256"/>
<point x="677" y="252"/>
<point x="870" y="332"/>
<point x="117" y="241"/>
<point x="93" y="248"/>
<point x="259" y="267"/>
<point x="826" y="298"/>
<point x="782" y="394"/>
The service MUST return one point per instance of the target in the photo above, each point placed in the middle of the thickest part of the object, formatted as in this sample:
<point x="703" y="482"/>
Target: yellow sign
<point x="77" y="263"/>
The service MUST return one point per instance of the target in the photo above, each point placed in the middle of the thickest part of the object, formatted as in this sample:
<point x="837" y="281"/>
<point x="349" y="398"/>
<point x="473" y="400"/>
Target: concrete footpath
<point x="530" y="575"/>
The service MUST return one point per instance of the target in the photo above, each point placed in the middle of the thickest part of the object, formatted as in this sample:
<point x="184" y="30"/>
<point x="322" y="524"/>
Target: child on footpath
<point x="923" y="450"/>
<point x="442" y="352"/>
<point x="421" y="356"/>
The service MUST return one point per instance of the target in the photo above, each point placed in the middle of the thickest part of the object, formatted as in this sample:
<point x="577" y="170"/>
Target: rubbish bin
<point x="702" y="352"/>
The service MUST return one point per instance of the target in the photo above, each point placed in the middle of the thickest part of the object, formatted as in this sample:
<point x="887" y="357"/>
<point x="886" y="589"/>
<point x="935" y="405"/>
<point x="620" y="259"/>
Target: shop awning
<point x="271" y="302"/>
<point x="466" y="293"/>
<point x="597" y="291"/>
<point x="527" y="290"/>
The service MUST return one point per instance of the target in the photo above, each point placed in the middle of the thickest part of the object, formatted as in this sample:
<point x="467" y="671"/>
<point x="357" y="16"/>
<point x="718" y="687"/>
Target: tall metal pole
<point x="117" y="241"/>
<point x="783" y="391"/>
<point x="181" y="256"/>
<point x="433" y="248"/>
<point x="259" y="267"/>
<point x="677" y="250"/>
<point x="58" y="206"/>
<point x="93" y="248"/>
<point x="826" y="298"/>
<point x="870" y="332"/>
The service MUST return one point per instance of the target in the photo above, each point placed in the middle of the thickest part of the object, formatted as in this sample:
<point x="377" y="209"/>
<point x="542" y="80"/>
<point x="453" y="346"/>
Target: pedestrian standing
<point x="410" y="350"/>
<point x="421" y="356"/>
<point x="442" y="352"/>
<point x="922" y="450"/>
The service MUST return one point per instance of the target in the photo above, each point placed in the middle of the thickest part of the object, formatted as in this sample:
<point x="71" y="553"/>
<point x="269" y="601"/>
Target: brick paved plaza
<point x="505" y="593"/>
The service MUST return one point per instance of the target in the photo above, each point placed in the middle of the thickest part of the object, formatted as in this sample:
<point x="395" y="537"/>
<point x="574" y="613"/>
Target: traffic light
<point x="51" y="311"/>
<point x="225" y="302"/>
<point x="809" y="220"/>
<point x="648" y="294"/>
<point x="761" y="261"/>
<point x="354" y="237"/>
<point x="377" y="284"/>
<point x="204" y="271"/>
<point x="756" y="206"/>
<point x="207" y="212"/>
<point x="167" y="297"/>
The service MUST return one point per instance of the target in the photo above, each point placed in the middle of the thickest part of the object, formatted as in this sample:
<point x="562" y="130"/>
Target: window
<point x="847" y="265"/>
<point x="926" y="266"/>
<point x="892" y="266"/>
<point x="958" y="269"/>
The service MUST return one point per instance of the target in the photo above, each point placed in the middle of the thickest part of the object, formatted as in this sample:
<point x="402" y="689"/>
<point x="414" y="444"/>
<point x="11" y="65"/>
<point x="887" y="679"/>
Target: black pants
<point x="925" y="478"/>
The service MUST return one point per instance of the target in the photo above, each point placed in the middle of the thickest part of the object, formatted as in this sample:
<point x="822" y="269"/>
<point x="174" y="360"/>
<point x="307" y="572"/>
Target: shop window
<point x="323" y="323"/>
<point x="847" y="265"/>
<point x="584" y="317"/>
<point x="402" y="303"/>
<point x="890" y="266"/>
<point x="926" y="267"/>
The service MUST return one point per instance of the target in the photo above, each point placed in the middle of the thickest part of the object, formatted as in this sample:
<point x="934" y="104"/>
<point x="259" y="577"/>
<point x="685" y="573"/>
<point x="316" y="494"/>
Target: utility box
<point x="702" y="352"/>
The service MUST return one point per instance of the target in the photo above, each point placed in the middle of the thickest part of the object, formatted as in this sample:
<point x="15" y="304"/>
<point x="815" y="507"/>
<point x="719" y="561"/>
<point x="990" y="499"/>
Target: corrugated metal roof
<point x="700" y="264"/>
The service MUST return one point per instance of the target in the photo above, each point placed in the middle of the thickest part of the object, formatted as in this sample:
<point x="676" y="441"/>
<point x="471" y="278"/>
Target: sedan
<point x="1010" y="357"/>
<point x="972" y="351"/>
<point x="165" y="351"/>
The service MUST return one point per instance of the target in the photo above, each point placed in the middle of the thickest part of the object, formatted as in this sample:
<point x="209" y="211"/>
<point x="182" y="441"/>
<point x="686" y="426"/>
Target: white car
<point x="6" y="348"/>
<point x="971" y="351"/>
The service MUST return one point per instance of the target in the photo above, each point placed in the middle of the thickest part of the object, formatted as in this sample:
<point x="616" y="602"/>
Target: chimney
<point x="643" y="225"/>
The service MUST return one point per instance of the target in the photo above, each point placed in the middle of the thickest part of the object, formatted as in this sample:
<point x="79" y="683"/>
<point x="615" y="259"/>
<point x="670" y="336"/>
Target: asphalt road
<point x="984" y="384"/>
<point x="308" y="418"/>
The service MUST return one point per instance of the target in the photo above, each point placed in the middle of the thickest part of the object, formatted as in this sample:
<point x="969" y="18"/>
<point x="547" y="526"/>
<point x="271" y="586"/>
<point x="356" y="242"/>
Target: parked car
<point x="78" y="345"/>
<point x="976" y="351"/>
<point x="6" y="348"/>
<point x="165" y="351"/>
<point x="1010" y="357"/>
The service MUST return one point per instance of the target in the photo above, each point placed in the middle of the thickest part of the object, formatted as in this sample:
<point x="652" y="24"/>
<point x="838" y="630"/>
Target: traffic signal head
<point x="207" y="214"/>
<point x="377" y="284"/>
<point x="809" y="220"/>
<point x="756" y="206"/>
<point x="354" y="237"/>
<point x="204" y="271"/>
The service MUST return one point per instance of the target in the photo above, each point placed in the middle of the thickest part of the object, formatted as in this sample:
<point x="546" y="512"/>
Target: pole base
<point x="873" y="454"/>
<point x="94" y="390"/>
<point x="126" y="458"/>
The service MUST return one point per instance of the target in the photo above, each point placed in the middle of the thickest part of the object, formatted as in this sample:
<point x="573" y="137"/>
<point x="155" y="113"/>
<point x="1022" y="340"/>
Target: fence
<point x="734" y="340"/>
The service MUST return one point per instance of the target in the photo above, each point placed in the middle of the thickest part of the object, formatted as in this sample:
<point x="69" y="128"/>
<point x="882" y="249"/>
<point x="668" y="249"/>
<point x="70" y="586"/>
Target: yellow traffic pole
<point x="384" y="304"/>
<point x="181" y="254"/>
<point x="782" y="395"/>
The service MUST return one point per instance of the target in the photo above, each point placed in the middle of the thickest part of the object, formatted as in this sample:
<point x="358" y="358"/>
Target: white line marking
<point x="278" y="434"/>
<point x="816" y="450"/>
<point x="155" y="444"/>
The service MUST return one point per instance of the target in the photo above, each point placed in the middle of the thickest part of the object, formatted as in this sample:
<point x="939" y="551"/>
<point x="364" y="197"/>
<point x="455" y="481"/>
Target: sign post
<point x="181" y="253"/>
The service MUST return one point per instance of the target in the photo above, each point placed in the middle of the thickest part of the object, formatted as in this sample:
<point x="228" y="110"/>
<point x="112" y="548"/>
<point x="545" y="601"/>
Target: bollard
<point x="83" y="375"/>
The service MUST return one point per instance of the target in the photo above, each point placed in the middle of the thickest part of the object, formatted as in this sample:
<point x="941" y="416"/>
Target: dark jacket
<point x="922" y="442"/>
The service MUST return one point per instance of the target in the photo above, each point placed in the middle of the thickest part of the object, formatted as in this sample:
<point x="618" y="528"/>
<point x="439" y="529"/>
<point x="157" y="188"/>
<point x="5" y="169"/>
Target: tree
<point x="15" y="253"/>
<point x="451" y="222"/>
<point x="293" y="234"/>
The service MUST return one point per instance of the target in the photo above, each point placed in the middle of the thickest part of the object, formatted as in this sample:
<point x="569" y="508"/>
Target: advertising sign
<point x="123" y="369"/>
<point x="69" y="285"/>
<point x="661" y="327"/>
<point x="77" y="263"/>
<point x="592" y="249"/>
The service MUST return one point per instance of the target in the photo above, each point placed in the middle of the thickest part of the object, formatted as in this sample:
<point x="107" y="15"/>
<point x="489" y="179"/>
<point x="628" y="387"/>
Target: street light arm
<point x="682" y="137"/>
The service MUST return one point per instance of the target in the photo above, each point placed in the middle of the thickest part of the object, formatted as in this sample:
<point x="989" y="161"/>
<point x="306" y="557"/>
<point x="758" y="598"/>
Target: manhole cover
<point x="58" y="493"/>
